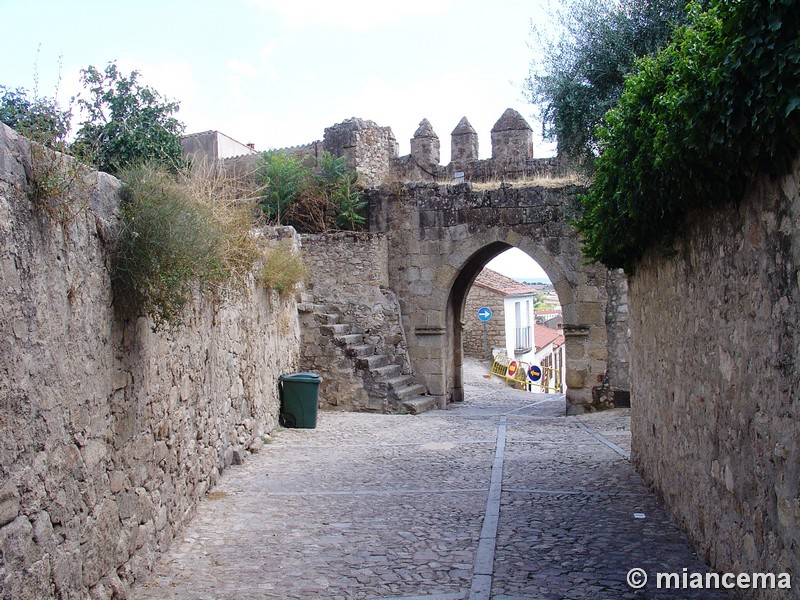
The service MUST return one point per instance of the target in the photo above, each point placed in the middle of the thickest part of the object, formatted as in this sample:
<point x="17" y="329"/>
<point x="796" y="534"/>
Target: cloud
<point x="261" y="67"/>
<point x="352" y="15"/>
<point x="173" y="80"/>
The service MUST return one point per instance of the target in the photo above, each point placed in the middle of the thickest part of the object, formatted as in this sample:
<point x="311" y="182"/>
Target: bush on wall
<point x="313" y="195"/>
<point x="719" y="104"/>
<point x="282" y="269"/>
<point x="174" y="239"/>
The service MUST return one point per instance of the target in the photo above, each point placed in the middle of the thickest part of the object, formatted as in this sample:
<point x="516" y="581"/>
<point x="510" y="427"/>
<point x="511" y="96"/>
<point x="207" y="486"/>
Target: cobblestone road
<point x="502" y="497"/>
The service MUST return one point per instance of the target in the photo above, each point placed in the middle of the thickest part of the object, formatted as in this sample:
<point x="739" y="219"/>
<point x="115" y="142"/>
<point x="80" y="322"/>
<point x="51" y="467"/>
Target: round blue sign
<point x="535" y="373"/>
<point x="484" y="313"/>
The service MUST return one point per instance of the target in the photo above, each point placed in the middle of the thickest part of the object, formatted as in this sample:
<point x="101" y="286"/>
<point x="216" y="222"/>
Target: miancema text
<point x="745" y="581"/>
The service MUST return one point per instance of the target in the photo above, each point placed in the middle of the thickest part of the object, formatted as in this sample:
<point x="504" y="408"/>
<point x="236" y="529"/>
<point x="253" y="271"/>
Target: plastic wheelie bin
<point x="299" y="394"/>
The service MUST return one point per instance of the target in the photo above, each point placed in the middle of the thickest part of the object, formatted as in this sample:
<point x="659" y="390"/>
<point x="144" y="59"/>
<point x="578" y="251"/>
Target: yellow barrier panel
<point x="550" y="381"/>
<point x="517" y="375"/>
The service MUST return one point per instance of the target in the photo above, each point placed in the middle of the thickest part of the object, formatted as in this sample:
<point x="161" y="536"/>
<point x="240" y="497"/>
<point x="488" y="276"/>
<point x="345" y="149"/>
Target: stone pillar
<point x="512" y="138"/>
<point x="425" y="145"/>
<point x="463" y="144"/>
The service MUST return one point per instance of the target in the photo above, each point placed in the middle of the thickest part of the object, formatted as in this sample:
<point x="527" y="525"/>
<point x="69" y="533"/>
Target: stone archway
<point x="440" y="237"/>
<point x="461" y="286"/>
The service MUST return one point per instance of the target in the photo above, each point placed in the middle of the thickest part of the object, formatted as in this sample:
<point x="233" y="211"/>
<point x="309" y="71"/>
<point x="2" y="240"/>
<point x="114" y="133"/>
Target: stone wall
<point x="111" y="434"/>
<point x="478" y="297"/>
<point x="372" y="150"/>
<point x="715" y="380"/>
<point x="349" y="278"/>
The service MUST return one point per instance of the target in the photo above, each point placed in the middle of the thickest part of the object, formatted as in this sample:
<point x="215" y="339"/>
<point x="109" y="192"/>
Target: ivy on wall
<point x="718" y="105"/>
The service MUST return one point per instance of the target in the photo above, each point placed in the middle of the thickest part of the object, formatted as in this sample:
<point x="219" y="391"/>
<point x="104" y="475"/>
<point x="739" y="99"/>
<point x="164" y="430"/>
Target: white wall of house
<point x="552" y="356"/>
<point x="519" y="327"/>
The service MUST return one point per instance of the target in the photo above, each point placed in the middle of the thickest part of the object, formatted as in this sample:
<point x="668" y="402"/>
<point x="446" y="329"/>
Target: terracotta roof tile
<point x="493" y="280"/>
<point x="543" y="336"/>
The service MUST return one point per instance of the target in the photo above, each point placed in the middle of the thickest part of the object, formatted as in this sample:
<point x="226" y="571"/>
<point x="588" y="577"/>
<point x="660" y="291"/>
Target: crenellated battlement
<point x="372" y="150"/>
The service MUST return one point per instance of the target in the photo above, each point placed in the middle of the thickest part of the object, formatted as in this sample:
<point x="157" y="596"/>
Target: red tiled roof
<point x="542" y="336"/>
<point x="550" y="311"/>
<point x="493" y="280"/>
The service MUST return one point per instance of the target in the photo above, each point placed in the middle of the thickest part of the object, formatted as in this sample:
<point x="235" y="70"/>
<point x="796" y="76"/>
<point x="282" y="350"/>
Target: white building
<point x="550" y="356"/>
<point x="510" y="330"/>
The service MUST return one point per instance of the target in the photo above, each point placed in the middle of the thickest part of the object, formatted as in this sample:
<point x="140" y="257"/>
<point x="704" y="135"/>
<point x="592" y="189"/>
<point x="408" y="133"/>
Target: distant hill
<point x="538" y="281"/>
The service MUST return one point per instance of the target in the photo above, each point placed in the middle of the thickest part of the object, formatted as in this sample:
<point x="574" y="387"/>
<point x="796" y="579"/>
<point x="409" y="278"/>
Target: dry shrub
<point x="233" y="209"/>
<point x="59" y="185"/>
<point x="282" y="269"/>
<point x="178" y="234"/>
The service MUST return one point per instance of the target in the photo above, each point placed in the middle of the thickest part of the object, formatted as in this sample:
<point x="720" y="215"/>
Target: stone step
<point x="362" y="350"/>
<point x="350" y="339"/>
<point x="399" y="382"/>
<point x="327" y="318"/>
<point x="387" y="371"/>
<point x="306" y="307"/>
<point x="410" y="391"/>
<point x="372" y="362"/>
<point x="420" y="404"/>
<point x="336" y="329"/>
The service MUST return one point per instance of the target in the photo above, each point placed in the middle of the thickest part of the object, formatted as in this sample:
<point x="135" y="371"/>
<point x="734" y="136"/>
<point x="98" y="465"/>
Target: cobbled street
<point x="501" y="497"/>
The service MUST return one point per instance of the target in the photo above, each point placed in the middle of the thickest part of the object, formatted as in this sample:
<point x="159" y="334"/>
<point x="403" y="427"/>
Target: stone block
<point x="9" y="503"/>
<point x="576" y="378"/>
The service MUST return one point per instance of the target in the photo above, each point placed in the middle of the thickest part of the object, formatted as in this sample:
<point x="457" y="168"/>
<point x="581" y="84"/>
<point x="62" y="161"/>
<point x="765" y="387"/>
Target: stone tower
<point x="463" y="144"/>
<point x="367" y="147"/>
<point x="425" y="145"/>
<point x="512" y="138"/>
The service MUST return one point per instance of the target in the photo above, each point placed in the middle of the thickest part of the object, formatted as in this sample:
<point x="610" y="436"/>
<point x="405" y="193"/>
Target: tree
<point x="39" y="119"/>
<point x="578" y="77"/>
<point x="282" y="176"/>
<point x="695" y="122"/>
<point x="126" y="122"/>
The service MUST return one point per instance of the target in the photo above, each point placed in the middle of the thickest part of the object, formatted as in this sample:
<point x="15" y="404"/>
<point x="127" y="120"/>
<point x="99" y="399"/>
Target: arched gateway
<point x="439" y="239"/>
<point x="383" y="315"/>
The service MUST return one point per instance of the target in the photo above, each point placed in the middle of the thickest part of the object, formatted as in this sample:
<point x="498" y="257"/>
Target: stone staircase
<point x="384" y="381"/>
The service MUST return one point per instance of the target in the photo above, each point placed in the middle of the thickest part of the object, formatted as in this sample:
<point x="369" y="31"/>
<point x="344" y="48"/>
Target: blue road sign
<point x="484" y="313"/>
<point x="535" y="373"/>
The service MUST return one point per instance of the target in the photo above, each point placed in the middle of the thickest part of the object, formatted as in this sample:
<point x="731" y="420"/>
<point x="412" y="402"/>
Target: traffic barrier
<point x="526" y="376"/>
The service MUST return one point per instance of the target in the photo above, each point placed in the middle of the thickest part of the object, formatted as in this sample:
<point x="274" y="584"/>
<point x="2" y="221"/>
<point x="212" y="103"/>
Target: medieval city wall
<point x="348" y="279"/>
<point x="440" y="237"/>
<point x="714" y="352"/>
<point x="110" y="434"/>
<point x="372" y="150"/>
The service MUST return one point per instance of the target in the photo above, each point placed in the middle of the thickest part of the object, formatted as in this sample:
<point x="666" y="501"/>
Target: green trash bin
<point x="299" y="398"/>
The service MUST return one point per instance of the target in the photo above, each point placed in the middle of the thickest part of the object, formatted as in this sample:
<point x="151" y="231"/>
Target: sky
<point x="517" y="264"/>
<point x="276" y="73"/>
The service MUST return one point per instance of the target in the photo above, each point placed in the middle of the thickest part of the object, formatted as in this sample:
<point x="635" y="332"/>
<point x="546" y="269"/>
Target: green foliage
<point x="313" y="195"/>
<point x="579" y="75"/>
<point x="126" y="123"/>
<point x="282" y="177"/>
<point x="52" y="176"/>
<point x="720" y="104"/>
<point x="39" y="119"/>
<point x="168" y="244"/>
<point x="282" y="270"/>
<point x="349" y="205"/>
